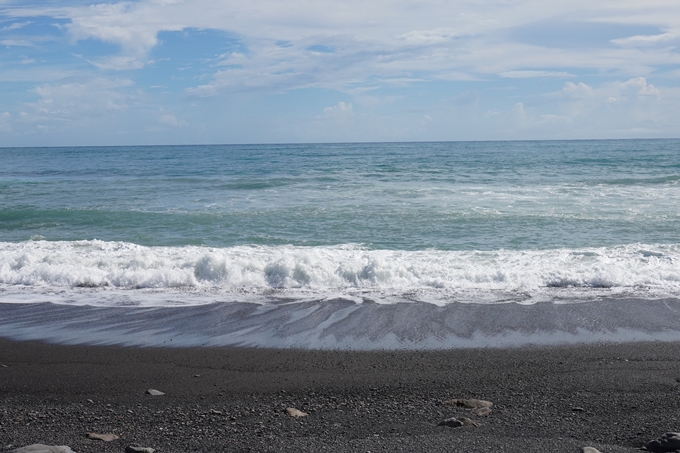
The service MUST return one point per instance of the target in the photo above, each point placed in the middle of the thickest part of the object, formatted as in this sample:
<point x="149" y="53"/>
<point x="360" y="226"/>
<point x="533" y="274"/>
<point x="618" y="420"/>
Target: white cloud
<point x="518" y="110"/>
<point x="634" y="91"/>
<point x="577" y="90"/>
<point x="81" y="111"/>
<point x="384" y="53"/>
<point x="342" y="110"/>
<point x="629" y="108"/>
<point x="122" y="23"/>
<point x="171" y="120"/>
<point x="119" y="63"/>
<point x="16" y="43"/>
<point x="75" y="101"/>
<point x="638" y="86"/>
<point x="15" y="26"/>
<point x="533" y="74"/>
<point x="462" y="40"/>
<point x="644" y="40"/>
<point x="429" y="37"/>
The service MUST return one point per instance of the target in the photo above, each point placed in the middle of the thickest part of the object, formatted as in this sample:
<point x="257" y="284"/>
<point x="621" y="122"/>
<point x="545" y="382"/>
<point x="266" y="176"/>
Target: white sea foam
<point x="117" y="273"/>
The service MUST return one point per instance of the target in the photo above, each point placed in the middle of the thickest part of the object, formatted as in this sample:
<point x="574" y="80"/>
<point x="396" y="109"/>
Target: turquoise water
<point x="437" y="222"/>
<point x="395" y="196"/>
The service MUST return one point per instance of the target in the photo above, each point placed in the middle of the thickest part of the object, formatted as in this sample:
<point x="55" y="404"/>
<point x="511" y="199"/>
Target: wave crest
<point x="348" y="270"/>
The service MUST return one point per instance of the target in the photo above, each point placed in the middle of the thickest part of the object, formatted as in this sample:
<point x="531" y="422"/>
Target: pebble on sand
<point x="454" y="422"/>
<point x="40" y="448"/>
<point x="668" y="443"/>
<point x="138" y="449"/>
<point x="590" y="450"/>
<point x="154" y="392"/>
<point x="108" y="437"/>
<point x="479" y="407"/>
<point x="295" y="412"/>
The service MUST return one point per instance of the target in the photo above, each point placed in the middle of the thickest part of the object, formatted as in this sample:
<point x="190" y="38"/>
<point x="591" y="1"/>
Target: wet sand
<point x="344" y="324"/>
<point x="615" y="397"/>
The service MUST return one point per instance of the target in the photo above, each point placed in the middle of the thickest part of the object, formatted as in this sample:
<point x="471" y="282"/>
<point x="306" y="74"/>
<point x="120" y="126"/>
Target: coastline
<point x="342" y="324"/>
<point x="614" y="397"/>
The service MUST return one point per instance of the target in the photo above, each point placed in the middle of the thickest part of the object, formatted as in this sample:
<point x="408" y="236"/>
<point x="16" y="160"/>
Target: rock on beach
<point x="478" y="407"/>
<point x="295" y="412"/>
<point x="154" y="392"/>
<point x="454" y="422"/>
<point x="668" y="443"/>
<point x="40" y="448"/>
<point x="138" y="449"/>
<point x="108" y="437"/>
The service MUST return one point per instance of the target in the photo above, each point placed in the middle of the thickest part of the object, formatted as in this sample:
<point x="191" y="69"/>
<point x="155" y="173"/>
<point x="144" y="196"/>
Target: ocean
<point x="364" y="245"/>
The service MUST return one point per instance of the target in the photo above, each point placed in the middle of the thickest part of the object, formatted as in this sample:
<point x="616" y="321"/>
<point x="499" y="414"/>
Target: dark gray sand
<point x="559" y="399"/>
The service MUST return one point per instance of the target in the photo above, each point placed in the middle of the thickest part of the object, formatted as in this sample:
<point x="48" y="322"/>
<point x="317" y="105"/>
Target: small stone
<point x="214" y="412"/>
<point x="454" y="422"/>
<point x="138" y="449"/>
<point x="668" y="443"/>
<point x="577" y="409"/>
<point x="590" y="450"/>
<point x="479" y="407"/>
<point x="109" y="437"/>
<point x="40" y="448"/>
<point x="2" y="365"/>
<point x="295" y="412"/>
<point x="469" y="404"/>
<point x="154" y="392"/>
<point x="481" y="411"/>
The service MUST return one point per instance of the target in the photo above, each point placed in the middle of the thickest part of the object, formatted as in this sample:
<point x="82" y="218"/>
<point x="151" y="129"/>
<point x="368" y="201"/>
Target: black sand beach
<point x="613" y="397"/>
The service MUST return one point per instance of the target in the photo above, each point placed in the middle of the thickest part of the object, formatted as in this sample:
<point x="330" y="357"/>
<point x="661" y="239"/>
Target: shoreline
<point x="341" y="324"/>
<point x="614" y="397"/>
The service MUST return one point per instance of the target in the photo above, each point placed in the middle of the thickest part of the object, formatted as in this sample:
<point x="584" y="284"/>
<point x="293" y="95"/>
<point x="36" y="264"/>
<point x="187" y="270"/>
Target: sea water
<point x="338" y="225"/>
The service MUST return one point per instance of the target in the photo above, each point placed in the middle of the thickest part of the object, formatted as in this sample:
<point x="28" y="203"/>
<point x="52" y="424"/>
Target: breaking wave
<point x="99" y="272"/>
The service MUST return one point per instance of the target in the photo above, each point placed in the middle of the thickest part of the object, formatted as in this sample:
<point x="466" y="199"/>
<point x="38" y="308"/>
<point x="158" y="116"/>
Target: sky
<point x="77" y="72"/>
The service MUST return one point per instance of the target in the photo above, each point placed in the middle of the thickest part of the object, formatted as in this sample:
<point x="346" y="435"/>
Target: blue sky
<point x="76" y="72"/>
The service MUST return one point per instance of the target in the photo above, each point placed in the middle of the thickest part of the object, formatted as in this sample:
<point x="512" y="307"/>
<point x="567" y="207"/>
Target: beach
<point x="614" y="397"/>
<point x="363" y="284"/>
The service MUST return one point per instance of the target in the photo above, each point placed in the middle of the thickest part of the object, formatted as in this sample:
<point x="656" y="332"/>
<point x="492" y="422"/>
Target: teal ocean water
<point x="393" y="196"/>
<point x="441" y="223"/>
<point x="362" y="246"/>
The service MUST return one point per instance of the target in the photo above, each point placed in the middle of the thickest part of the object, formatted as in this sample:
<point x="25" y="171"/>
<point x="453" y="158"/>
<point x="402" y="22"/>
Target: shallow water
<point x="343" y="324"/>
